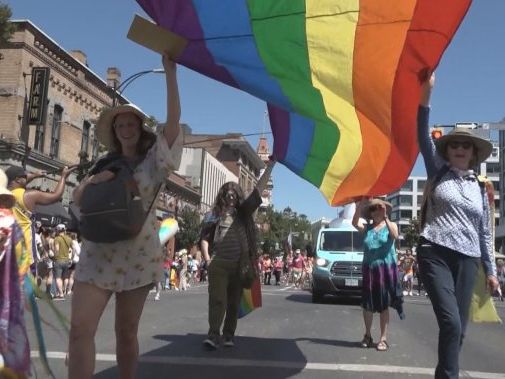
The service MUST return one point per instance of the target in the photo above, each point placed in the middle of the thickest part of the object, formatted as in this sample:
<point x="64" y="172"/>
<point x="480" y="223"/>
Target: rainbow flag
<point x="251" y="299"/>
<point x="341" y="77"/>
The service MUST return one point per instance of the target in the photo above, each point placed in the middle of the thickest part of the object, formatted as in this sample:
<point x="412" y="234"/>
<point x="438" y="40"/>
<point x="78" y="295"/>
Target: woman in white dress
<point x="127" y="268"/>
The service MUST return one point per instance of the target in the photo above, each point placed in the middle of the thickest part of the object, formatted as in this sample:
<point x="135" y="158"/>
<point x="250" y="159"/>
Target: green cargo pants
<point x="225" y="291"/>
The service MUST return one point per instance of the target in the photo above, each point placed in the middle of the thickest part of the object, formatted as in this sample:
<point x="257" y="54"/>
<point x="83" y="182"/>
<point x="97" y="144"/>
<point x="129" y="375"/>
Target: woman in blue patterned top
<point x="456" y="231"/>
<point x="381" y="288"/>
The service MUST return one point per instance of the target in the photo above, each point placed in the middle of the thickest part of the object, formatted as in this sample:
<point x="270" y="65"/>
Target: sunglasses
<point x="464" y="144"/>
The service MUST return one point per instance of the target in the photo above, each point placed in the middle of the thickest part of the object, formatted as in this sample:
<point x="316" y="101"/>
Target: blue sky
<point x="470" y="79"/>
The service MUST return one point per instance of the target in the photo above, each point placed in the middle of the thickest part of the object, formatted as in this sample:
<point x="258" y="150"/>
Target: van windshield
<point x="333" y="240"/>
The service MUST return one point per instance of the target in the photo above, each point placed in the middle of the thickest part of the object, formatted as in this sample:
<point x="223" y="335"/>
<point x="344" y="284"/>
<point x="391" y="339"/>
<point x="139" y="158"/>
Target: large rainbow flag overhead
<point x="341" y="77"/>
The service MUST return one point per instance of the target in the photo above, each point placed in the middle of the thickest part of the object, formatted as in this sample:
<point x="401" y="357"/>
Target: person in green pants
<point x="229" y="233"/>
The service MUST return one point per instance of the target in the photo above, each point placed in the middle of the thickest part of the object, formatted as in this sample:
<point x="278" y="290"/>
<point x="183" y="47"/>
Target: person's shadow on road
<point x="185" y="357"/>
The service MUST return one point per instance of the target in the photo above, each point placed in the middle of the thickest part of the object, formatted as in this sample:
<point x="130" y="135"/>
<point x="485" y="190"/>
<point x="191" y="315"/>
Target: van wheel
<point x="317" y="297"/>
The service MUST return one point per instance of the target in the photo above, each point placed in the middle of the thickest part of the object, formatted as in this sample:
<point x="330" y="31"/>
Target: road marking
<point x="286" y="288"/>
<point x="229" y="362"/>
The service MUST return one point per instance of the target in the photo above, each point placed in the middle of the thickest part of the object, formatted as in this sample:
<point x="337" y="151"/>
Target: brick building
<point x="50" y="100"/>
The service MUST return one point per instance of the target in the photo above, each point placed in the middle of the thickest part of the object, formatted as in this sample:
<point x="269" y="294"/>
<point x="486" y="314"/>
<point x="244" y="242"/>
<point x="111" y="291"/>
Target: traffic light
<point x="436" y="133"/>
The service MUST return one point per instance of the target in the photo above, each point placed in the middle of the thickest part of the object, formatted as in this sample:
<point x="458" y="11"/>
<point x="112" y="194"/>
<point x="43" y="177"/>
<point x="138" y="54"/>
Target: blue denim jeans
<point x="448" y="277"/>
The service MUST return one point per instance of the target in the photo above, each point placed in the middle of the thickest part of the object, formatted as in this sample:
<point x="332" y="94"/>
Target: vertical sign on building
<point x="38" y="95"/>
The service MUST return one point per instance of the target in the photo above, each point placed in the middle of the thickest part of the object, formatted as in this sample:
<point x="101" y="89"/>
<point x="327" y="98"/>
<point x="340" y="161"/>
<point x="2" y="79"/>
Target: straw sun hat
<point x="104" y="127"/>
<point x="483" y="148"/>
<point x="367" y="213"/>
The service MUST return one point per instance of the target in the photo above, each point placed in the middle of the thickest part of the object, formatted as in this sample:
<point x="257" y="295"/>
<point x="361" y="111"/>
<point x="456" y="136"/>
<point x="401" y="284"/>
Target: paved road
<point x="288" y="338"/>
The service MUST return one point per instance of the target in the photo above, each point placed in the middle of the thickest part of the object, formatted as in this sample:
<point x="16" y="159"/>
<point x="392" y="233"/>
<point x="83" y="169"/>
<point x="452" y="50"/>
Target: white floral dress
<point x="134" y="263"/>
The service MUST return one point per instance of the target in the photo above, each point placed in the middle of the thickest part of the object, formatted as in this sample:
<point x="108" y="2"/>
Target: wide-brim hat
<point x="104" y="127"/>
<point x="367" y="214"/>
<point x="483" y="147"/>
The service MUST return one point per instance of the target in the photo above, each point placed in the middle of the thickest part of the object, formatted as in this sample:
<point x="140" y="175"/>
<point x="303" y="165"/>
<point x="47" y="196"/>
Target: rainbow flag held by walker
<point x="341" y="77"/>
<point x="251" y="299"/>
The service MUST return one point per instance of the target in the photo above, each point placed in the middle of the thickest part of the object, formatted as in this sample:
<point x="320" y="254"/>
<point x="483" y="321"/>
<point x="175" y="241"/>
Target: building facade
<point x="50" y="100"/>
<point x="234" y="152"/>
<point x="205" y="173"/>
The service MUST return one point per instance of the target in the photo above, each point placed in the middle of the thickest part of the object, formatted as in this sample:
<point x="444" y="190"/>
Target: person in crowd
<point x="455" y="230"/>
<point x="381" y="287"/>
<point x="127" y="268"/>
<point x="74" y="258"/>
<point x="183" y="274"/>
<point x="500" y="273"/>
<point x="14" y="263"/>
<point x="28" y="199"/>
<point x="62" y="260"/>
<point x="408" y="272"/>
<point x="267" y="269"/>
<point x="232" y="235"/>
<point x="297" y="268"/>
<point x="278" y="266"/>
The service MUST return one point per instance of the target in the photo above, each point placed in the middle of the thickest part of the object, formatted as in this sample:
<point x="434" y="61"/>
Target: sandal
<point x="382" y="346"/>
<point x="367" y="341"/>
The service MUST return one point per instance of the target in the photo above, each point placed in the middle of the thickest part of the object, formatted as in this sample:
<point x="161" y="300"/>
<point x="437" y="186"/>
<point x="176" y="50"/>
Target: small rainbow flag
<point x="251" y="299"/>
<point x="341" y="77"/>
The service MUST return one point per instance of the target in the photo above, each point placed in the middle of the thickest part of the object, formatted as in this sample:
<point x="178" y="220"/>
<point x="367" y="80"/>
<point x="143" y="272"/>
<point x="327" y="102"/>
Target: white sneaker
<point x="157" y="297"/>
<point x="410" y="293"/>
<point x="405" y="293"/>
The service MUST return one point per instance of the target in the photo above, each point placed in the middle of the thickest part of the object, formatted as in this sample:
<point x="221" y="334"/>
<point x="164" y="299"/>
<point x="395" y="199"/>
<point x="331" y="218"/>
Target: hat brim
<point x="367" y="214"/>
<point x="484" y="148"/>
<point x="104" y="129"/>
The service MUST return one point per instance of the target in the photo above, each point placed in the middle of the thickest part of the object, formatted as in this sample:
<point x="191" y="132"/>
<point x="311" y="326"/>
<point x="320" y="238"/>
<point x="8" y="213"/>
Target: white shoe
<point x="405" y="293"/>
<point x="410" y="293"/>
<point x="157" y="297"/>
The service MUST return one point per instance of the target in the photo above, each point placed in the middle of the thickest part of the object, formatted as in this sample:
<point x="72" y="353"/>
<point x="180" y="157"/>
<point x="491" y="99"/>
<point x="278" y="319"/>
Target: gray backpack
<point x="112" y="211"/>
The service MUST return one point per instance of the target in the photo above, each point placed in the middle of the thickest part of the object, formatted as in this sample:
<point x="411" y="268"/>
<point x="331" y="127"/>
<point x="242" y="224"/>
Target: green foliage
<point x="411" y="234"/>
<point x="6" y="27"/>
<point x="189" y="228"/>
<point x="280" y="225"/>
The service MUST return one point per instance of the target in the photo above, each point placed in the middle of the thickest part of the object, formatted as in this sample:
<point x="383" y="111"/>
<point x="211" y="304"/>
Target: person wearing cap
<point x="456" y="230"/>
<point x="62" y="260"/>
<point x="128" y="268"/>
<point x="28" y="199"/>
<point x="381" y="287"/>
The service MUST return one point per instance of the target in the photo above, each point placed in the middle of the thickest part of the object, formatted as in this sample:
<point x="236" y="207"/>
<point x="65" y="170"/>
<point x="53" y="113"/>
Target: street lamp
<point x="122" y="87"/>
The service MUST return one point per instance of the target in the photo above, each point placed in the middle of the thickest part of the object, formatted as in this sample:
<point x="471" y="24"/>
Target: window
<point x="407" y="186"/>
<point x="40" y="133"/>
<point x="405" y="215"/>
<point x="55" y="131"/>
<point x="85" y="136"/>
<point x="94" y="151"/>
<point x="420" y="185"/>
<point x="492" y="168"/>
<point x="394" y="201"/>
<point x="341" y="241"/>
<point x="406" y="200"/>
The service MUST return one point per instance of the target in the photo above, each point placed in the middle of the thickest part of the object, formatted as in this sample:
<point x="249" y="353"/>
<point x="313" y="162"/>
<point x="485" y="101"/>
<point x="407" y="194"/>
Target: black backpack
<point x="112" y="211"/>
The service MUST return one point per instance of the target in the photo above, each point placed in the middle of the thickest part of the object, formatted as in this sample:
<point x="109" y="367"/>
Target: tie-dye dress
<point x="381" y="288"/>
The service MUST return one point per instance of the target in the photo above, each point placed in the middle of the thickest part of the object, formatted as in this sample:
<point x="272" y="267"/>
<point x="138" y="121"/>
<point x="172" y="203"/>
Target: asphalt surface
<point x="289" y="337"/>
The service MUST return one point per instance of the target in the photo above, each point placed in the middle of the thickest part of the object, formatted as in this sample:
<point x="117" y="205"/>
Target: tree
<point x="6" y="27"/>
<point x="189" y="228"/>
<point x="411" y="234"/>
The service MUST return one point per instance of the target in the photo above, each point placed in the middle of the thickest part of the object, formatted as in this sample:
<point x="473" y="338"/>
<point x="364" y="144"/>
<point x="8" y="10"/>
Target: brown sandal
<point x="382" y="346"/>
<point x="367" y="341"/>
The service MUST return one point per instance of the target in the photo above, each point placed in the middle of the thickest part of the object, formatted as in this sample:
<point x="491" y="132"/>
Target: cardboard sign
<point x="156" y="38"/>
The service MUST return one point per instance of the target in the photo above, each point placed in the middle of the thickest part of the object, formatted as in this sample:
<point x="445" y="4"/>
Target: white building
<point x="205" y="173"/>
